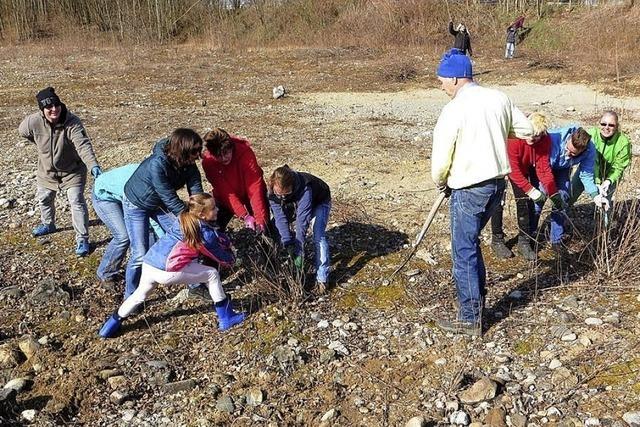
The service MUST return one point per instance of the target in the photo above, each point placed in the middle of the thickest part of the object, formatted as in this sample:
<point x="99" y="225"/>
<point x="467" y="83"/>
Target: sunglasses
<point x="608" y="125"/>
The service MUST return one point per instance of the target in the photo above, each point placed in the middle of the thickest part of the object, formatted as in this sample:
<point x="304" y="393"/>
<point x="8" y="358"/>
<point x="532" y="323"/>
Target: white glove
<point x="601" y="202"/>
<point x="604" y="187"/>
<point x="535" y="195"/>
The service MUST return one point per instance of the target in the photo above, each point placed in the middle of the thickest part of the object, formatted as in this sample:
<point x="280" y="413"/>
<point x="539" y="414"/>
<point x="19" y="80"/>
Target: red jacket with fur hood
<point x="240" y="183"/>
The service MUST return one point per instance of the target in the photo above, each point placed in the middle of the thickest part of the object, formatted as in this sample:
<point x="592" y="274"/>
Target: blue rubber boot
<point x="111" y="326"/>
<point x="82" y="250"/>
<point x="43" y="229"/>
<point x="226" y="316"/>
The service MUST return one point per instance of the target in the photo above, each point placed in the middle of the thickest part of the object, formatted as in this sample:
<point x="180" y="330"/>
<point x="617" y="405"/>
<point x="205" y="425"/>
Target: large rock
<point x="632" y="418"/>
<point x="10" y="356"/>
<point x="416" y="422"/>
<point x="496" y="418"/>
<point x="484" y="389"/>
<point x="28" y="346"/>
<point x="255" y="397"/>
<point x="225" y="404"/>
<point x="48" y="291"/>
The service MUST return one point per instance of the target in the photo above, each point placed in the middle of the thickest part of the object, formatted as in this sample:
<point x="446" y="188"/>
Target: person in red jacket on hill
<point x="231" y="167"/>
<point x="530" y="168"/>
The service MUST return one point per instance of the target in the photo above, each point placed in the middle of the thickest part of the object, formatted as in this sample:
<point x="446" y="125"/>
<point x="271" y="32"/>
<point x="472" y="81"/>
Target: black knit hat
<point x="47" y="97"/>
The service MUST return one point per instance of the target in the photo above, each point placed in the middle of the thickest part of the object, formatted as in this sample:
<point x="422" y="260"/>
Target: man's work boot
<point x="525" y="249"/>
<point x="472" y="329"/>
<point x="499" y="248"/>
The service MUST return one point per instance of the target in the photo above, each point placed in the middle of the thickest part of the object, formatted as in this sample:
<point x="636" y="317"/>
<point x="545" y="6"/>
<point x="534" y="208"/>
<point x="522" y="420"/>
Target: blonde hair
<point x="539" y="122"/>
<point x="190" y="218"/>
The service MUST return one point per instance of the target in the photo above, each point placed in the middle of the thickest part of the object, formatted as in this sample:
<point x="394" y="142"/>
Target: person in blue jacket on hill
<point x="151" y="192"/>
<point x="174" y="259"/>
<point x="106" y="198"/>
<point x="571" y="146"/>
<point x="299" y="197"/>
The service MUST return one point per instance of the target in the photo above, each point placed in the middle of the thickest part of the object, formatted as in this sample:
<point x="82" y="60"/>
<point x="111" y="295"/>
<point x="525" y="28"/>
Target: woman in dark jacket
<point x="151" y="193"/>
<point x="462" y="38"/>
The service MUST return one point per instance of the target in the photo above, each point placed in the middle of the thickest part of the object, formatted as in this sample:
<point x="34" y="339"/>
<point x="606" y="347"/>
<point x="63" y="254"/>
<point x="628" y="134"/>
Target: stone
<point x="569" y="337"/>
<point x="48" y="291"/>
<point x="593" y="321"/>
<point x="11" y="292"/>
<point x="559" y="330"/>
<point x="327" y="355"/>
<point x="18" y="384"/>
<point x="484" y="389"/>
<point x="555" y="364"/>
<point x="562" y="377"/>
<point x="516" y="294"/>
<point x="329" y="415"/>
<point x="632" y="418"/>
<point x="225" y="404"/>
<point x="459" y="418"/>
<point x="518" y="420"/>
<point x="416" y="422"/>
<point x="117" y="397"/>
<point x="323" y="324"/>
<point x="255" y="397"/>
<point x="339" y="347"/>
<point x="128" y="415"/>
<point x="591" y="422"/>
<point x="10" y="356"/>
<point x="496" y="418"/>
<point x="105" y="374"/>
<point x="178" y="386"/>
<point x="116" y="382"/>
<point x="337" y="323"/>
<point x="29" y="414"/>
<point x="278" y="92"/>
<point x="28" y="346"/>
<point x="612" y="319"/>
<point x="284" y="354"/>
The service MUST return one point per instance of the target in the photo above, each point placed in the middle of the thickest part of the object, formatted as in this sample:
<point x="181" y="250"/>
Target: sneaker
<point x="473" y="329"/>
<point x="43" y="229"/>
<point x="525" y="249"/>
<point x="200" y="292"/>
<point x="500" y="249"/>
<point x="82" y="250"/>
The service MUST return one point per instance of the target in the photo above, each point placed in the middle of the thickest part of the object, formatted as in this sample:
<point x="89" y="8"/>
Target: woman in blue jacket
<point x="174" y="259"/>
<point x="299" y="197"/>
<point x="106" y="198"/>
<point x="151" y="193"/>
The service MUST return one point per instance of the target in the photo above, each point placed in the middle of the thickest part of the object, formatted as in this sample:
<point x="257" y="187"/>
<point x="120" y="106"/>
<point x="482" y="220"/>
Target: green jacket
<point x="613" y="156"/>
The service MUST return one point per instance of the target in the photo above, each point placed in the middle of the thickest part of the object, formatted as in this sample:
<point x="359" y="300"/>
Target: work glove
<point x="601" y="202"/>
<point x="298" y="261"/>
<point x="250" y="222"/>
<point x="558" y="201"/>
<point x="96" y="171"/>
<point x="536" y="195"/>
<point x="603" y="188"/>
<point x="444" y="188"/>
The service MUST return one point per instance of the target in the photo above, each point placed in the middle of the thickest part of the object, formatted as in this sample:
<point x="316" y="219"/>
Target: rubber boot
<point x="111" y="326"/>
<point x="499" y="248"/>
<point x="525" y="249"/>
<point x="226" y="316"/>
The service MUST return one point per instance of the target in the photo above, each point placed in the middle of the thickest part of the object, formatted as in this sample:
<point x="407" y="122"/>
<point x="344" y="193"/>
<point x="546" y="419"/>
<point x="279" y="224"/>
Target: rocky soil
<point x="561" y="345"/>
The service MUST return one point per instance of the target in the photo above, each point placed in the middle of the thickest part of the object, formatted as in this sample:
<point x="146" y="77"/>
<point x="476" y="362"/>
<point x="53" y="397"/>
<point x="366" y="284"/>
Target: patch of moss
<point x="382" y="297"/>
<point x="526" y="346"/>
<point x="619" y="374"/>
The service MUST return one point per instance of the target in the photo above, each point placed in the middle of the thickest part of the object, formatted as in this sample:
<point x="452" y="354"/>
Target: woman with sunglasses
<point x="231" y="167"/>
<point x="151" y="192"/>
<point x="613" y="156"/>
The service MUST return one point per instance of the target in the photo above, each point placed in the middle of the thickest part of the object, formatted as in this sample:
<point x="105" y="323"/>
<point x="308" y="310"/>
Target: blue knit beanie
<point x="455" y="64"/>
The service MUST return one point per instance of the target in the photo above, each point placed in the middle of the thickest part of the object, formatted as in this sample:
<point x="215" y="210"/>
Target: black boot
<point x="525" y="249"/>
<point x="499" y="248"/>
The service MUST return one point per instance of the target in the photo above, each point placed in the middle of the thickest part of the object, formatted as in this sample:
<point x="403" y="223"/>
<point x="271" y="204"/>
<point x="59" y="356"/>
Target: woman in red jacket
<point x="530" y="169"/>
<point x="238" y="184"/>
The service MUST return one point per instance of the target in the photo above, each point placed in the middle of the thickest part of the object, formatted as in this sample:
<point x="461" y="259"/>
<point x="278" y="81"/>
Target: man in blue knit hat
<point x="469" y="160"/>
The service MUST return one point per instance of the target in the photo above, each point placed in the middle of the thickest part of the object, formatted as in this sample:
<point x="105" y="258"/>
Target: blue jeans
<point x="137" y="223"/>
<point x="561" y="177"/>
<point x="320" y="242"/>
<point x="111" y="214"/>
<point x="470" y="209"/>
